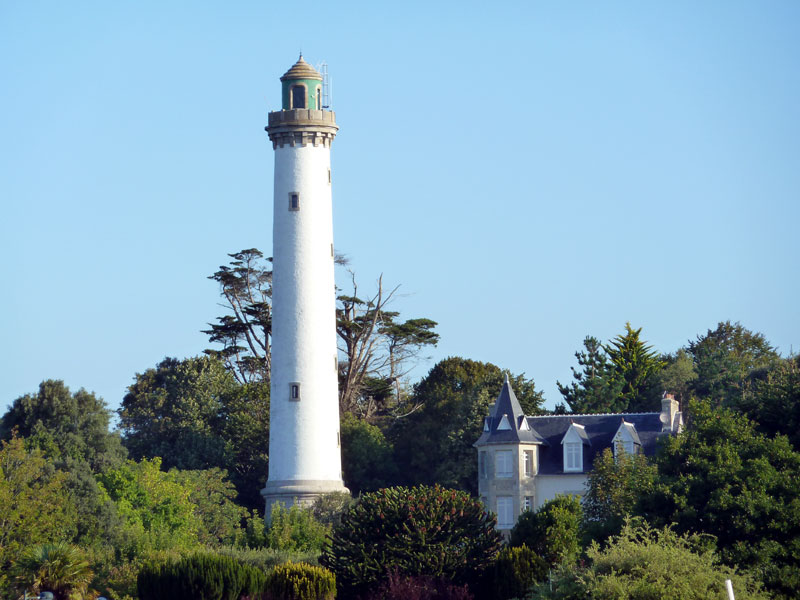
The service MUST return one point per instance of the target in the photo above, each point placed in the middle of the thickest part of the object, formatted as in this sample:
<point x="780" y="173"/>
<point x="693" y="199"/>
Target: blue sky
<point x="529" y="172"/>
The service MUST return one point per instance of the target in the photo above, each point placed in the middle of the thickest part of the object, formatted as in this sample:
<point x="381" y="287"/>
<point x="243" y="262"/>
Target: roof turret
<point x="301" y="70"/>
<point x="504" y="424"/>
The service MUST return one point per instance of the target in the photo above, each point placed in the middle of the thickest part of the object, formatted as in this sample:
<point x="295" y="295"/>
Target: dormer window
<point x="504" y="425"/>
<point x="626" y="439"/>
<point x="573" y="456"/>
<point x="572" y="443"/>
<point x="298" y="96"/>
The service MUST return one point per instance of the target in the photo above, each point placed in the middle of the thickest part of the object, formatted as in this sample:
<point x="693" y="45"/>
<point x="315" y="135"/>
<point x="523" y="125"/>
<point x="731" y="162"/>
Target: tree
<point x="376" y="349"/>
<point x="245" y="333"/>
<point x="593" y="390"/>
<point x="774" y="401"/>
<point x="634" y="368"/>
<point x="194" y="415"/>
<point x="725" y="357"/>
<point x="613" y="489"/>
<point x="367" y="457"/>
<point x="723" y="478"/>
<point x="175" y="410"/>
<point x="416" y="531"/>
<point x="156" y="510"/>
<point x="434" y="444"/>
<point x="642" y="563"/>
<point x="58" y="568"/>
<point x="213" y="496"/>
<point x="65" y="425"/>
<point x="35" y="507"/>
<point x="678" y="375"/>
<point x="552" y="532"/>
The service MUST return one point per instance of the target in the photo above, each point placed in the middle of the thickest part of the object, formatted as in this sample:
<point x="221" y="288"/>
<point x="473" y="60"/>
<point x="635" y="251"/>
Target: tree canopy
<point x="723" y="478"/>
<point x="434" y="444"/>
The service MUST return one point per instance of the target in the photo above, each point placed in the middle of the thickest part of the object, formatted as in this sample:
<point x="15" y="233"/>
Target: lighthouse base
<point x="302" y="492"/>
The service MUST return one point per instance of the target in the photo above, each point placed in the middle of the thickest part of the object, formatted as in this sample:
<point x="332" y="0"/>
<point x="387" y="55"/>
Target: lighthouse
<point x="304" y="445"/>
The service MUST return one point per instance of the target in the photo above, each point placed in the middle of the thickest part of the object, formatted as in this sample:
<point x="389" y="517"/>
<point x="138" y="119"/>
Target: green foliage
<point x="65" y="425"/>
<point x="552" y="532"/>
<point x="299" y="581"/>
<point x="266" y="559"/>
<point x="644" y="564"/>
<point x="367" y="458"/>
<point x="725" y="357"/>
<point x="774" y="402"/>
<point x="156" y="510"/>
<point x="295" y="529"/>
<point x="678" y="375"/>
<point x="214" y="499"/>
<point x="34" y="508"/>
<point x="593" y="390"/>
<point x="434" y="444"/>
<point x="417" y="531"/>
<point x="246" y="286"/>
<point x="723" y="478"/>
<point x="58" y="568"/>
<point x="515" y="571"/>
<point x="194" y="415"/>
<point x="174" y="412"/>
<point x="614" y="487"/>
<point x="200" y="577"/>
<point x="634" y="369"/>
<point x="329" y="508"/>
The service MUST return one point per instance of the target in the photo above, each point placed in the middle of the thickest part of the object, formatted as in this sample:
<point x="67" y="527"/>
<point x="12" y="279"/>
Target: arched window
<point x="298" y="96"/>
<point x="319" y="98"/>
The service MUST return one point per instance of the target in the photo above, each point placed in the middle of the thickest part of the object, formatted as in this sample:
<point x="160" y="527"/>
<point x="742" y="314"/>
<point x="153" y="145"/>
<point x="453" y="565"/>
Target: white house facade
<point x="525" y="461"/>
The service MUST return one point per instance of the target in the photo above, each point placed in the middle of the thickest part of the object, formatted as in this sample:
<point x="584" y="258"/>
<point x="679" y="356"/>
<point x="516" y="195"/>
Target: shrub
<point x="266" y="559"/>
<point x="299" y="581"/>
<point x="295" y="529"/>
<point x="643" y="563"/>
<point x="200" y="577"/>
<point x="329" y="508"/>
<point x="515" y="571"/>
<point x="58" y="568"/>
<point x="552" y="532"/>
<point x="418" y="587"/>
<point x="418" y="531"/>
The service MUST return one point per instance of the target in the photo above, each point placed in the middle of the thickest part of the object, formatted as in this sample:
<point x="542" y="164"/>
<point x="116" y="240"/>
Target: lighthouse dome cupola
<point x="302" y="87"/>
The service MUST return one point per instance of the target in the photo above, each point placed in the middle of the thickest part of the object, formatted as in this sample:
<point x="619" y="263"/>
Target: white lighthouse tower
<point x="304" y="452"/>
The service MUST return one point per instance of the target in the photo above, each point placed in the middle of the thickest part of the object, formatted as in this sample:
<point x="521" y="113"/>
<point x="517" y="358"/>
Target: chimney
<point x="670" y="419"/>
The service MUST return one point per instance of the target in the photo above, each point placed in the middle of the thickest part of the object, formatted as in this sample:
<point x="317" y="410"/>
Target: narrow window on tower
<point x="294" y="201"/>
<point x="329" y="174"/>
<point x="298" y="96"/>
<point x="319" y="98"/>
<point x="294" y="391"/>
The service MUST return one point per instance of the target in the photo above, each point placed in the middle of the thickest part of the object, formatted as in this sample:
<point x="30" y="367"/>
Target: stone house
<point x="525" y="461"/>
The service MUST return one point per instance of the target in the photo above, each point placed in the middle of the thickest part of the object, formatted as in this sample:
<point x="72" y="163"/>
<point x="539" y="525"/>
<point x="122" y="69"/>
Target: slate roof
<point x="548" y="431"/>
<point x="507" y="404"/>
<point x="600" y="430"/>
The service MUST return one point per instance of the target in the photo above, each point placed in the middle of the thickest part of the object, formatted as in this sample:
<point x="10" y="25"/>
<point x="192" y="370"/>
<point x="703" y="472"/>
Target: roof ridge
<point x="617" y="414"/>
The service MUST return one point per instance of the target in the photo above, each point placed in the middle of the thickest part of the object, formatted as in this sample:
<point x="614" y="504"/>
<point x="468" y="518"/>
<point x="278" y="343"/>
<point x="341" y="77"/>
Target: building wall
<point x="304" y="436"/>
<point x="550" y="486"/>
<point x="518" y="486"/>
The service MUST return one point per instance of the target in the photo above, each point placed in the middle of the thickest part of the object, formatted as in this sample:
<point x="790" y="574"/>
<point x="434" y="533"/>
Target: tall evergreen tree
<point x="725" y="358"/>
<point x="593" y="390"/>
<point x="634" y="369"/>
